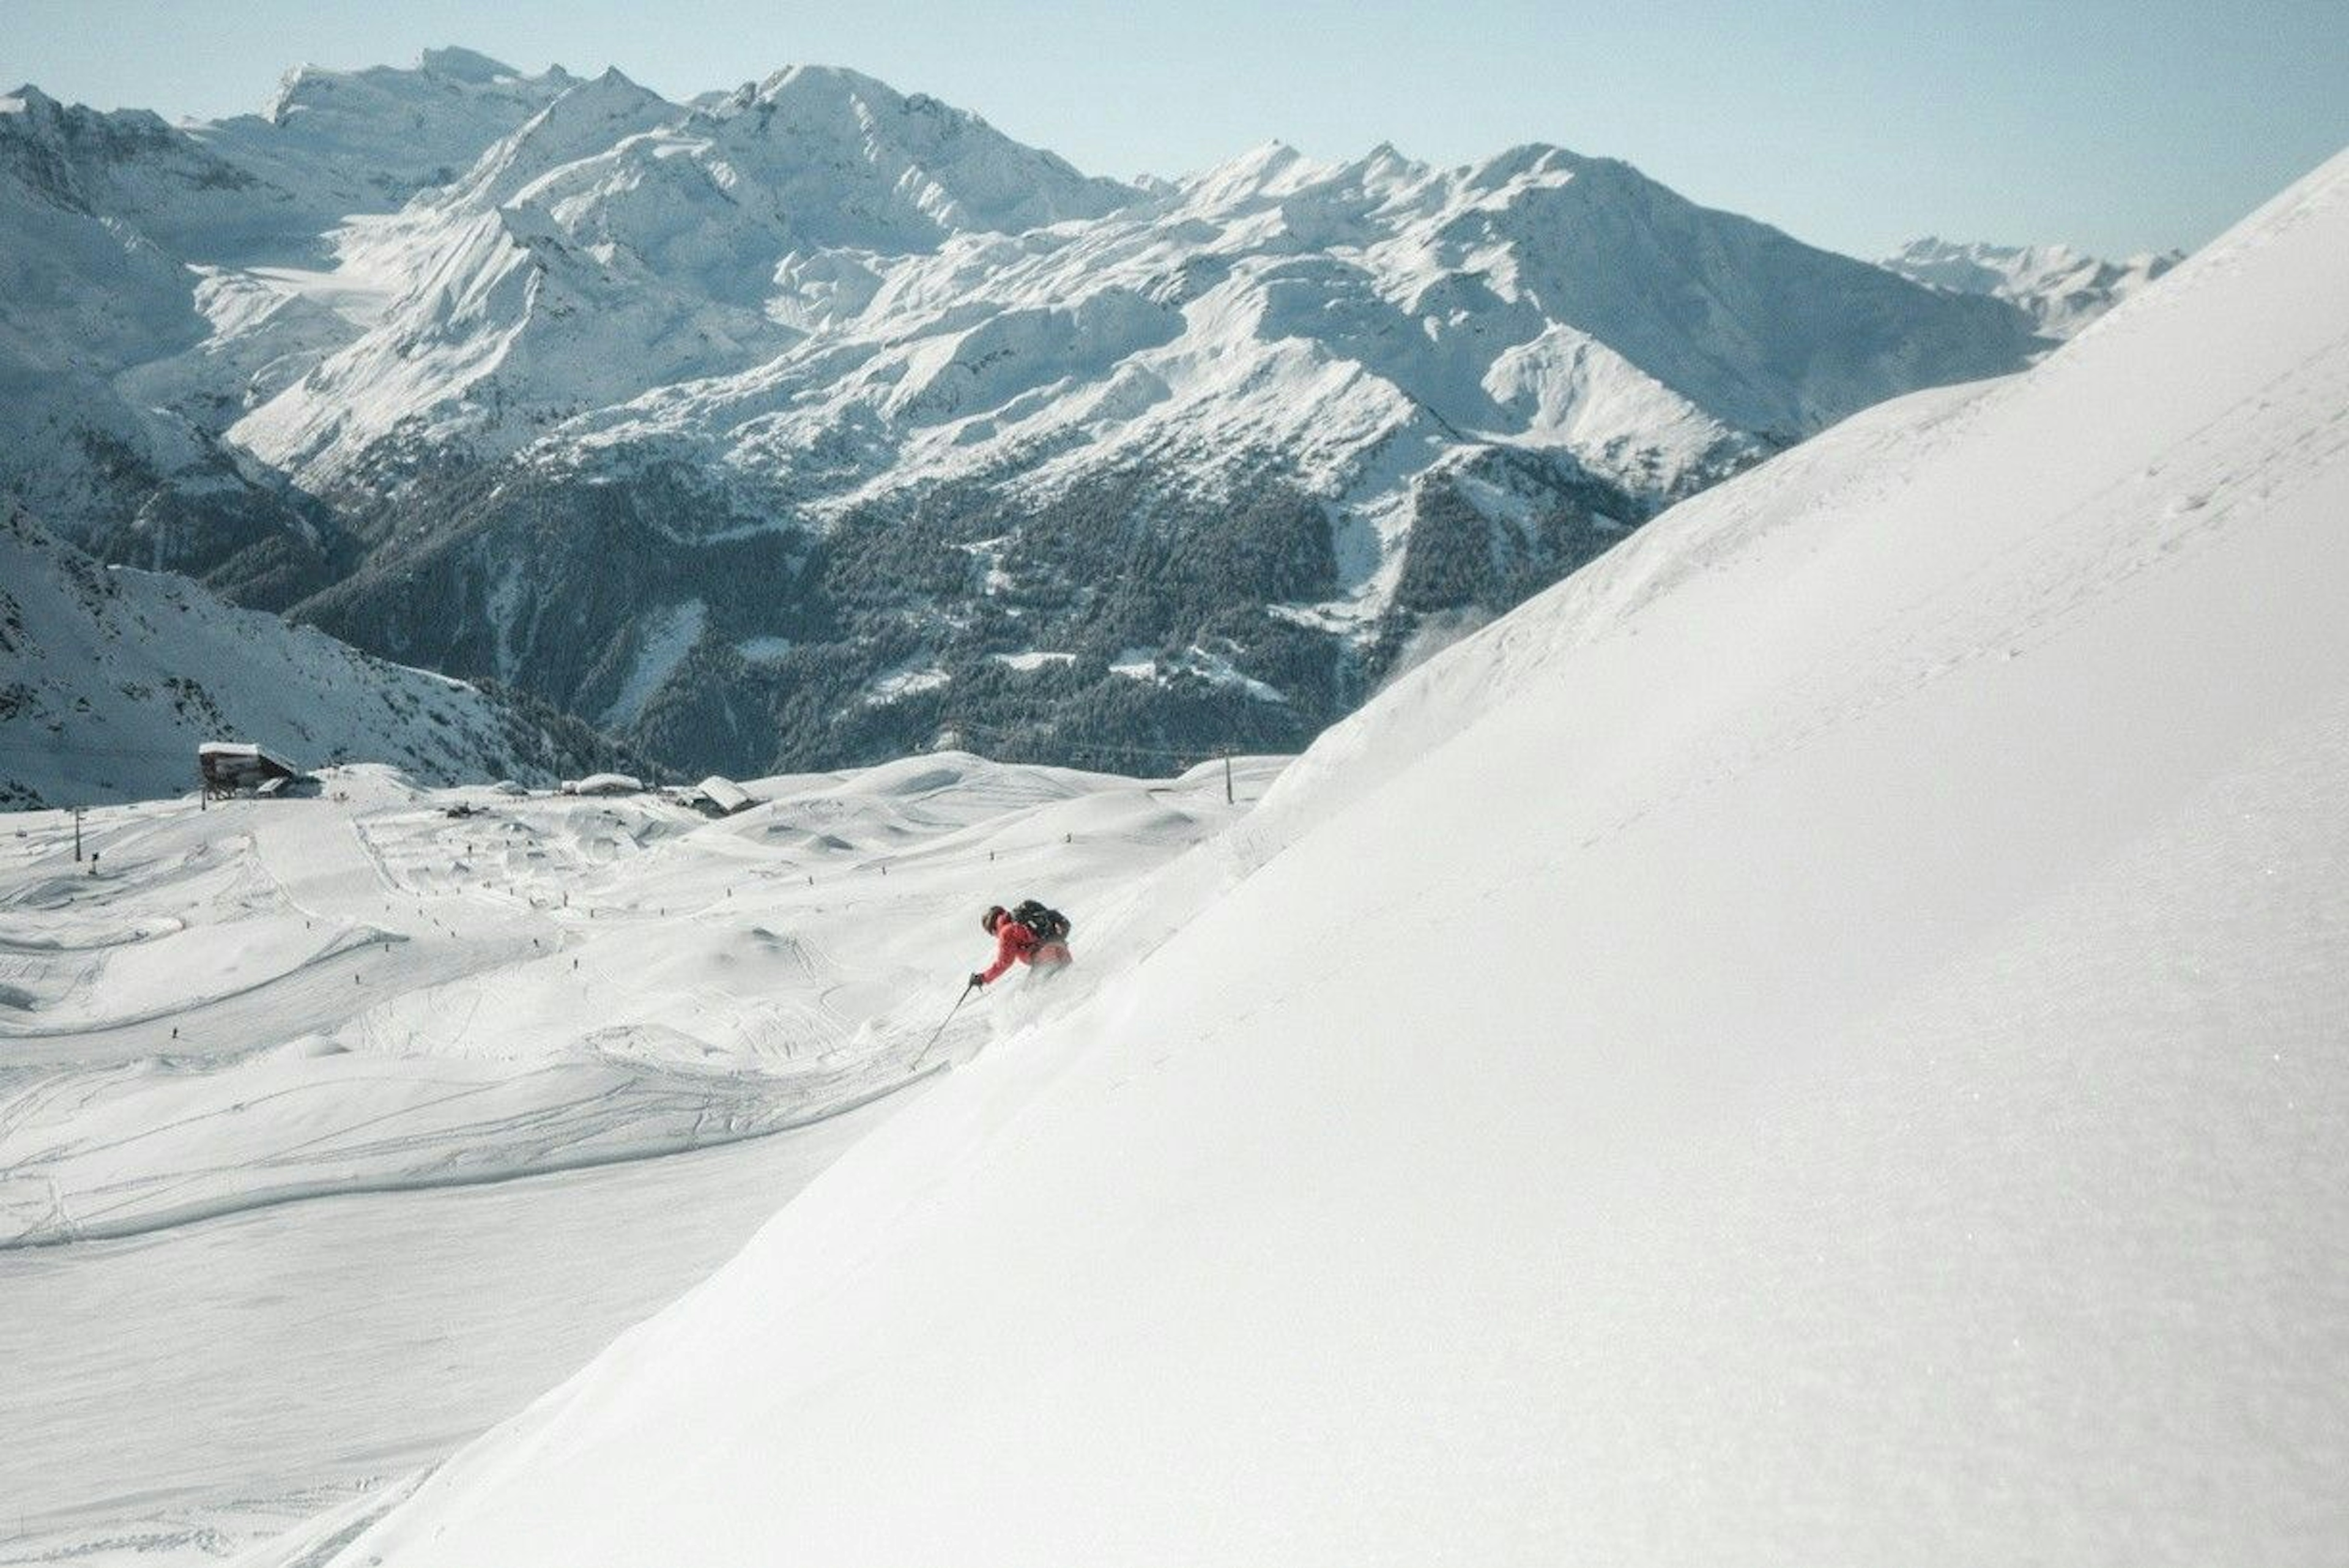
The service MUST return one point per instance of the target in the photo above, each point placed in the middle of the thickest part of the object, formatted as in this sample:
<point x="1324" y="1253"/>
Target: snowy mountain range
<point x="160" y="280"/>
<point x="814" y="421"/>
<point x="2061" y="288"/>
<point x="112" y="677"/>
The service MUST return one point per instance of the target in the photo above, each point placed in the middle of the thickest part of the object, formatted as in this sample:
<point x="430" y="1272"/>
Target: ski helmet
<point x="993" y="918"/>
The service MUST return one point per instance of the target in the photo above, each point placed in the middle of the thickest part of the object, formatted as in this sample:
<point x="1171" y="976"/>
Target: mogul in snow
<point x="1030" y="934"/>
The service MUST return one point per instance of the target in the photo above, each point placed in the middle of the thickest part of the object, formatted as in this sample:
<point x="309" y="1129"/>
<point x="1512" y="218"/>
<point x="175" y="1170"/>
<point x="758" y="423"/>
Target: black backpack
<point x="1049" y="925"/>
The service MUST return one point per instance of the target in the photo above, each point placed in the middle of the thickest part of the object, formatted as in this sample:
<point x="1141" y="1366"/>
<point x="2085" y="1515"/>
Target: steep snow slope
<point x="87" y="289"/>
<point x="1816" y="1040"/>
<point x="617" y="242"/>
<point x="339" y="143"/>
<point x="2062" y="288"/>
<point x="110" y="678"/>
<point x="158" y="281"/>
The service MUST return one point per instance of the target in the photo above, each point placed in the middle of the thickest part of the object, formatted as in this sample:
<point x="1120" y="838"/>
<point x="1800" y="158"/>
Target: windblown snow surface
<point x="1819" y="1040"/>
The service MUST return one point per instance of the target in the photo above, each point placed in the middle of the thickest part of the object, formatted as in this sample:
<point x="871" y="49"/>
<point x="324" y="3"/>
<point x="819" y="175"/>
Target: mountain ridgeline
<point x="813" y="422"/>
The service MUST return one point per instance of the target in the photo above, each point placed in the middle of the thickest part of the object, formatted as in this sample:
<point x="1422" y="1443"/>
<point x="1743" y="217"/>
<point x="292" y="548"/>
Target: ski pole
<point x="966" y="989"/>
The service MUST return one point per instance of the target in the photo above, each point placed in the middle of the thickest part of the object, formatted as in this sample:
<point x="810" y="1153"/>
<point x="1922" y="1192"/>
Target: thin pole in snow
<point x="76" y="810"/>
<point x="966" y="989"/>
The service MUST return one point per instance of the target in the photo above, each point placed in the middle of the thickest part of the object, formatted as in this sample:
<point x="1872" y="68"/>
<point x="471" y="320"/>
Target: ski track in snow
<point x="549" y="985"/>
<point x="200" y="1389"/>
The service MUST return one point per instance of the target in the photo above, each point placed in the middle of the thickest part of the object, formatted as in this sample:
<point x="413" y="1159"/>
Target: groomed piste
<point x="277" y="1000"/>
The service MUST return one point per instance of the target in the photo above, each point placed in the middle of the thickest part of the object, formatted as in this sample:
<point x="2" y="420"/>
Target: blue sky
<point x="2119" y="125"/>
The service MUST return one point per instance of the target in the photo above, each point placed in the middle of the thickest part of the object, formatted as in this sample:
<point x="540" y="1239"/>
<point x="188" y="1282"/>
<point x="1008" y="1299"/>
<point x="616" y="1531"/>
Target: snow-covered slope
<point x="1817" y="1040"/>
<point x="111" y="677"/>
<point x="156" y="282"/>
<point x="617" y="242"/>
<point x="339" y="142"/>
<point x="237" y="1046"/>
<point x="90" y="207"/>
<point x="230" y="1016"/>
<point x="2063" y="289"/>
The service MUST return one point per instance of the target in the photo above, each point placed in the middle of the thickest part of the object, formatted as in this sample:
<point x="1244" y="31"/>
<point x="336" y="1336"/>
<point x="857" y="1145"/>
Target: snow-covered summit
<point x="587" y="118"/>
<point x="461" y="64"/>
<point x="2064" y="289"/>
<point x="160" y="279"/>
<point x="356" y="141"/>
<point x="1537" y="296"/>
<point x="915" y="168"/>
<point x="615" y="243"/>
<point x="1813" y="1040"/>
<point x="127" y="165"/>
<point x="310" y="88"/>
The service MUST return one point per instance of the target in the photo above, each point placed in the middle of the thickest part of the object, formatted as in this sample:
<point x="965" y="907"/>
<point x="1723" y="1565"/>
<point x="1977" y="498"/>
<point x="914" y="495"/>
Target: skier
<point x="1031" y="934"/>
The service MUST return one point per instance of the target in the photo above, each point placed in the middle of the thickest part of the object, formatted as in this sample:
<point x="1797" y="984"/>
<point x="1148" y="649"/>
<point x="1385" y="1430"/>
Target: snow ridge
<point x="2063" y="289"/>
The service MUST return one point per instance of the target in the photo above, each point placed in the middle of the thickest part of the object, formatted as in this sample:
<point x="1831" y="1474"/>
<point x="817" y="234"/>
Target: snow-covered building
<point x="236" y="767"/>
<point x="606" y="784"/>
<point x="719" y="796"/>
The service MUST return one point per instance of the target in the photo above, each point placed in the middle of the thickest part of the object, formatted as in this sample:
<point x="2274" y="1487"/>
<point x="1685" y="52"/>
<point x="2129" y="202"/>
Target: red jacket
<point x="1015" y="943"/>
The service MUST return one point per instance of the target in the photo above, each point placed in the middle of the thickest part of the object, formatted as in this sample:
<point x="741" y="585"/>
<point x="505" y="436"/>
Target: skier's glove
<point x="978" y="982"/>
